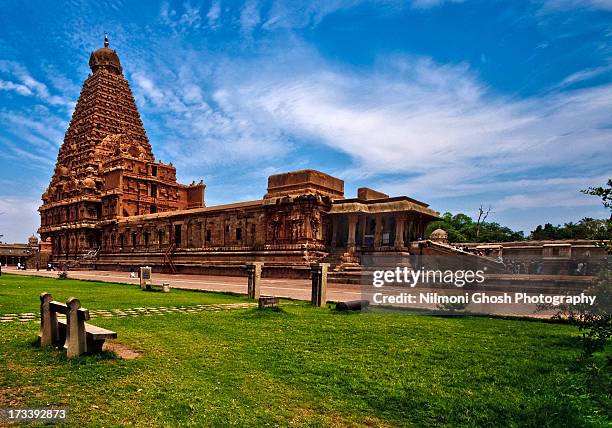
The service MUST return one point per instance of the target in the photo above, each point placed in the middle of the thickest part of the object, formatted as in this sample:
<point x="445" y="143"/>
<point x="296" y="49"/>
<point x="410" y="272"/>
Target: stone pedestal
<point x="319" y="284"/>
<point x="145" y="277"/>
<point x="254" y="275"/>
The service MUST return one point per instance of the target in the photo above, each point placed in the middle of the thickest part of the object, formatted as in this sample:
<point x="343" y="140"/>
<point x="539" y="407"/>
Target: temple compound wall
<point x="111" y="205"/>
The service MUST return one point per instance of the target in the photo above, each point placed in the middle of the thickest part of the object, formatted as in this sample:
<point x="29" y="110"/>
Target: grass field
<point x="301" y="366"/>
<point x="20" y="294"/>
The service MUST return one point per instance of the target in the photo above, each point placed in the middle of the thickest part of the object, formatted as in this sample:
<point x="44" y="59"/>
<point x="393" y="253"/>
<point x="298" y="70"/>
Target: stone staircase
<point x="432" y="248"/>
<point x="341" y="261"/>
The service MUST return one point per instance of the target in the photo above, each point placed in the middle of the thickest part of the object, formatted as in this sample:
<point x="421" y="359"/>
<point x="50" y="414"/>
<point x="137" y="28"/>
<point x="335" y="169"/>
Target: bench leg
<point x="94" y="346"/>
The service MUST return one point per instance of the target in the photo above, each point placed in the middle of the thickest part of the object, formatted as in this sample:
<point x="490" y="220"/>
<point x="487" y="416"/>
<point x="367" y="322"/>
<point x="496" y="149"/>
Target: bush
<point x="594" y="321"/>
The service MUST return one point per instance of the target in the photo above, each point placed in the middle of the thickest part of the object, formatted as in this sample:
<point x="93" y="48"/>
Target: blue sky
<point x="456" y="103"/>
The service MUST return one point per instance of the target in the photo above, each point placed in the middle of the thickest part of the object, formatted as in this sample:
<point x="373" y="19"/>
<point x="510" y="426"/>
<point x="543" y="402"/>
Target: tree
<point x="605" y="193"/>
<point x="482" y="216"/>
<point x="462" y="228"/>
<point x="587" y="228"/>
<point x="604" y="231"/>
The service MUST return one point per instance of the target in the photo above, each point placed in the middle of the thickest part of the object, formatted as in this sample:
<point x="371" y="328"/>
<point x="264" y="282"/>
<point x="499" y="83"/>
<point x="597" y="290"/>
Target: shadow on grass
<point x="58" y="352"/>
<point x="264" y="313"/>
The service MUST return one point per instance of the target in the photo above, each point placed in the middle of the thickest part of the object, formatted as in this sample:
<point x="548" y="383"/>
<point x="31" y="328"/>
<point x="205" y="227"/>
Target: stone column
<point x="410" y="227"/>
<point x="399" y="231"/>
<point x="48" y="321"/>
<point x="378" y="231"/>
<point x="334" y="226"/>
<point x="352" y="226"/>
<point x="319" y="284"/>
<point x="254" y="281"/>
<point x="76" y="341"/>
<point x="421" y="229"/>
<point x="364" y="228"/>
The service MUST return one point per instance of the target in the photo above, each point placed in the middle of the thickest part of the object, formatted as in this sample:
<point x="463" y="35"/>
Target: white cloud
<point x="420" y="117"/>
<point x="577" y="4"/>
<point x="19" y="218"/>
<point x="180" y="20"/>
<point x="284" y="14"/>
<point x="17" y="87"/>
<point x="583" y="75"/>
<point x="21" y="81"/>
<point x="214" y="14"/>
<point x="249" y="17"/>
<point x="566" y="198"/>
<point x="44" y="132"/>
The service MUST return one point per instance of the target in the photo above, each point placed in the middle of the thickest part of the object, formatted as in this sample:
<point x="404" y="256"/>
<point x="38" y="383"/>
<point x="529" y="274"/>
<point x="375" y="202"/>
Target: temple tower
<point x="105" y="167"/>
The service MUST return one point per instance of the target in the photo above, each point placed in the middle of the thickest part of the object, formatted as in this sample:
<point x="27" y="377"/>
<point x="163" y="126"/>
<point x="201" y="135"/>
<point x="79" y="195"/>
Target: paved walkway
<point x="136" y="312"/>
<point x="288" y="288"/>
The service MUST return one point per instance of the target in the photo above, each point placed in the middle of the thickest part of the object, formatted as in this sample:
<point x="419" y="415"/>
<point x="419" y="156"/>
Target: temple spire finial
<point x="105" y="40"/>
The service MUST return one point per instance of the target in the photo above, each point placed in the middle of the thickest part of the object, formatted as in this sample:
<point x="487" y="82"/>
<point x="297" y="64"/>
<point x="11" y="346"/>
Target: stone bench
<point x="74" y="334"/>
<point x="268" y="302"/>
<point x="165" y="287"/>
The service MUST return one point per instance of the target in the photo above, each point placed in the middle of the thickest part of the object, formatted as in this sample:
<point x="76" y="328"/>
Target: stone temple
<point x="111" y="205"/>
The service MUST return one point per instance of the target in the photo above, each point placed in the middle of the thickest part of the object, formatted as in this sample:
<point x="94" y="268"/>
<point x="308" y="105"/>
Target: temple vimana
<point x="110" y="203"/>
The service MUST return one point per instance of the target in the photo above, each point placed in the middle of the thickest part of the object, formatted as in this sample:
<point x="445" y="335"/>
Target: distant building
<point x="110" y="204"/>
<point x="558" y="257"/>
<point x="12" y="254"/>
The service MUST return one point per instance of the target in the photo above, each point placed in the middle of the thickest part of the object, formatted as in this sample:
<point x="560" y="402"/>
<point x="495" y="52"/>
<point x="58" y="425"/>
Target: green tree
<point x="605" y="193"/>
<point x="462" y="228"/>
<point x="603" y="230"/>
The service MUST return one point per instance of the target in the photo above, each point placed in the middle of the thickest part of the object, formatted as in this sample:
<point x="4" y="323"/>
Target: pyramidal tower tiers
<point x="105" y="168"/>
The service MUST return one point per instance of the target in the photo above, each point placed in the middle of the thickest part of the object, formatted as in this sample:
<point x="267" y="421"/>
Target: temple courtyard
<point x="210" y="359"/>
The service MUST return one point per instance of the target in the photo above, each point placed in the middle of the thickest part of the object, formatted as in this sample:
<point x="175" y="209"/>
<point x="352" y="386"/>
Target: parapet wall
<point x="304" y="182"/>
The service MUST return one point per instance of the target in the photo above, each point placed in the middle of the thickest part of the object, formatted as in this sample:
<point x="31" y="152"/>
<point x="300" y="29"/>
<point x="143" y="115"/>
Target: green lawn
<point x="20" y="294"/>
<point x="305" y="366"/>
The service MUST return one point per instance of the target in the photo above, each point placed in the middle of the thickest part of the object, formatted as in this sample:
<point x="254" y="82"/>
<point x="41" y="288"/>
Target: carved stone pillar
<point x="184" y="235"/>
<point x="352" y="228"/>
<point x="410" y="229"/>
<point x="378" y="232"/>
<point x="364" y="229"/>
<point x="399" y="231"/>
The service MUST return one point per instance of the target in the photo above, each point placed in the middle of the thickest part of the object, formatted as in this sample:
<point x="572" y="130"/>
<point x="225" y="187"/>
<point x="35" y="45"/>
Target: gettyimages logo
<point x="411" y="277"/>
<point x="475" y="285"/>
